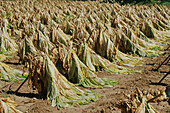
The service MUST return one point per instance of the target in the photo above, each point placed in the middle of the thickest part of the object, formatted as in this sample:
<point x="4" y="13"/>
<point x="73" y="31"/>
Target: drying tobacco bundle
<point x="140" y="102"/>
<point x="51" y="84"/>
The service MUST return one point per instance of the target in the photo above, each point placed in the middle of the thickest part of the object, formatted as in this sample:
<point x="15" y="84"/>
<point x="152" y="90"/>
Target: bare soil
<point x="29" y="101"/>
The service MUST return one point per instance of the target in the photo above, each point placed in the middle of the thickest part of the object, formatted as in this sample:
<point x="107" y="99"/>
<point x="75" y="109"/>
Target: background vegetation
<point x="132" y="2"/>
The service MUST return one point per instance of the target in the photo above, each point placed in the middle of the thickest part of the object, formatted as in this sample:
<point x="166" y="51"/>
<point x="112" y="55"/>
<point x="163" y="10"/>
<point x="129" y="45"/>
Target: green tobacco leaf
<point x="9" y="74"/>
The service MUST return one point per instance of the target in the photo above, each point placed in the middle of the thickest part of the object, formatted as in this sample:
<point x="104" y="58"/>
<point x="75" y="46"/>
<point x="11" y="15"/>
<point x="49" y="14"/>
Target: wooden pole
<point x="21" y="85"/>
<point x="164" y="77"/>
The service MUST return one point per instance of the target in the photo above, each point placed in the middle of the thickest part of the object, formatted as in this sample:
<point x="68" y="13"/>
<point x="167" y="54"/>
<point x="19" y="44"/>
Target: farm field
<point x="83" y="56"/>
<point x="28" y="102"/>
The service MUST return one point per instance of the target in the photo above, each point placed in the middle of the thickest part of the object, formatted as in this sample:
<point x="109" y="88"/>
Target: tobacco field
<point x="76" y="56"/>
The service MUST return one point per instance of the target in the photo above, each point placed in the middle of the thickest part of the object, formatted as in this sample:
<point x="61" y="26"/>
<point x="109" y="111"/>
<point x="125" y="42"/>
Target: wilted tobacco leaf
<point x="7" y="105"/>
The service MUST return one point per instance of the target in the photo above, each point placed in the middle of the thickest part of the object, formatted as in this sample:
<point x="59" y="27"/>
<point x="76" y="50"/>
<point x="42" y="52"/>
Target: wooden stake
<point x="21" y="85"/>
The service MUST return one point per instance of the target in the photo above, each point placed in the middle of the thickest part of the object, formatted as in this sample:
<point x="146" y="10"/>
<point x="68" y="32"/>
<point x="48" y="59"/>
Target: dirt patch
<point x="29" y="101"/>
